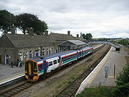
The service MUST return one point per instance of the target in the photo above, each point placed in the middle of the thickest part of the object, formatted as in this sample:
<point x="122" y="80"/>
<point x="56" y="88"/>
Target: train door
<point x="60" y="60"/>
<point x="56" y="64"/>
<point x="30" y="69"/>
<point x="53" y="64"/>
<point x="0" y="59"/>
<point x="79" y="54"/>
<point x="45" y="66"/>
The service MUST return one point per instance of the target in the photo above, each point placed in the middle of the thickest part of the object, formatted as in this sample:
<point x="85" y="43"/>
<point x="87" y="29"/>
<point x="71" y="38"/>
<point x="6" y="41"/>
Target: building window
<point x="42" y="52"/>
<point x="21" y="56"/>
<point x="36" y="53"/>
<point x="30" y="54"/>
<point x="49" y="51"/>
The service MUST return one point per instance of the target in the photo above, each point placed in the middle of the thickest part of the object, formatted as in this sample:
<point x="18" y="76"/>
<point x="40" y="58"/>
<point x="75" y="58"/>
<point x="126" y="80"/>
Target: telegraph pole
<point x="114" y="71"/>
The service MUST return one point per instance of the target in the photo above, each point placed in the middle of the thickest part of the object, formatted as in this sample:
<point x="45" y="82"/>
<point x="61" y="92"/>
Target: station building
<point x="19" y="47"/>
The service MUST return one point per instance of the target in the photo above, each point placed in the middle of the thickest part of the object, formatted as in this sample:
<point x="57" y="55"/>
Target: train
<point x="40" y="66"/>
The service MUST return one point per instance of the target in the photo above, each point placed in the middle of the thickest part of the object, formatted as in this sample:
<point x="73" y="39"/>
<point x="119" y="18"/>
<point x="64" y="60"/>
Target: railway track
<point x="14" y="89"/>
<point x="70" y="90"/>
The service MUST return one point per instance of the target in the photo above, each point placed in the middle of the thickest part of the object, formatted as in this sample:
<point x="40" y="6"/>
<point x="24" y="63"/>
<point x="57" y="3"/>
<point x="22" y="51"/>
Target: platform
<point x="7" y="73"/>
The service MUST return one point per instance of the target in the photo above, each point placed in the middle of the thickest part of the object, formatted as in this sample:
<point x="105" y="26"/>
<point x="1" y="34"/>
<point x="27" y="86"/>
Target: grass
<point x="127" y="57"/>
<point x="96" y="92"/>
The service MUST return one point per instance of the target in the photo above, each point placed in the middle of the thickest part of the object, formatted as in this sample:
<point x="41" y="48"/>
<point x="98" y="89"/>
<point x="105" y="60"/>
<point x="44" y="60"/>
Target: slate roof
<point x="5" y="42"/>
<point x="72" y="42"/>
<point x="25" y="41"/>
<point x="62" y="37"/>
<point x="77" y="42"/>
<point x="59" y="38"/>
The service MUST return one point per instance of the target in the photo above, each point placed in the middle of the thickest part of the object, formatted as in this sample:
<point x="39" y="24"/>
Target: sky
<point x="101" y="18"/>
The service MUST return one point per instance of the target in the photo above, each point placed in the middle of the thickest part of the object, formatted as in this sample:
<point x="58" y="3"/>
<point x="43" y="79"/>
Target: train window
<point x="58" y="60"/>
<point x="40" y="67"/>
<point x="64" y="59"/>
<point x="55" y="61"/>
<point x="35" y="67"/>
<point x="50" y="63"/>
<point x="26" y="66"/>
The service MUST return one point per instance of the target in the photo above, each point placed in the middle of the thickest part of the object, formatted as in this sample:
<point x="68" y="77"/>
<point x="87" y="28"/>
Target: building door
<point x="6" y="59"/>
<point x="0" y="59"/>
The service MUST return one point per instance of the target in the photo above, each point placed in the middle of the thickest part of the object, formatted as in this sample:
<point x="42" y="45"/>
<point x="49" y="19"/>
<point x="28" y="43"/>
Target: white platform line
<point x="11" y="78"/>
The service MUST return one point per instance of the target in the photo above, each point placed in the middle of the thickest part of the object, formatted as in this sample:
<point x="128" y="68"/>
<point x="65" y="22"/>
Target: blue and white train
<point x="36" y="67"/>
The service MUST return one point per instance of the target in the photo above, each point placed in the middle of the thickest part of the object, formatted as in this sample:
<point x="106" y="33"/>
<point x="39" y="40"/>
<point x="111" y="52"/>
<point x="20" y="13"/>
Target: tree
<point x="123" y="42"/>
<point x="40" y="27"/>
<point x="28" y="21"/>
<point x="7" y="21"/>
<point x="87" y="36"/>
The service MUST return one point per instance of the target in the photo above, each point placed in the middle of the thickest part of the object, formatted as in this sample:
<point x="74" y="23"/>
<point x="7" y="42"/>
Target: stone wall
<point x="8" y="55"/>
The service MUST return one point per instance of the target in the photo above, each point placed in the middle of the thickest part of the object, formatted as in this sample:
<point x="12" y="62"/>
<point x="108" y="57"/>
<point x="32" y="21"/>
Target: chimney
<point x="30" y="31"/>
<point x="13" y="29"/>
<point x="77" y="35"/>
<point x="46" y="33"/>
<point x="68" y="32"/>
<point x="81" y="34"/>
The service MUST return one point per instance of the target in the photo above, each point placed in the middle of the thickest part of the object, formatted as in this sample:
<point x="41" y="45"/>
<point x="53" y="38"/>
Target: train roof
<point x="42" y="58"/>
<point x="60" y="54"/>
<point x="52" y="55"/>
<point x="87" y="47"/>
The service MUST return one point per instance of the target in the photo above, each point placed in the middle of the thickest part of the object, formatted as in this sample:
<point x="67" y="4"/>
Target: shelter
<point x="71" y="44"/>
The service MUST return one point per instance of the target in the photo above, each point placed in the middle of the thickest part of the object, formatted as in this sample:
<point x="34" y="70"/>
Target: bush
<point x="122" y="87"/>
<point x="123" y="78"/>
<point x="121" y="91"/>
<point x="123" y="42"/>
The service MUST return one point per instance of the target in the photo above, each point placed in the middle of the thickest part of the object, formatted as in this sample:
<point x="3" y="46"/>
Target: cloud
<point x="103" y="18"/>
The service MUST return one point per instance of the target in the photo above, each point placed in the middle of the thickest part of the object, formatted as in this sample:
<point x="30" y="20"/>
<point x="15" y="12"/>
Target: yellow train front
<point x="31" y="70"/>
